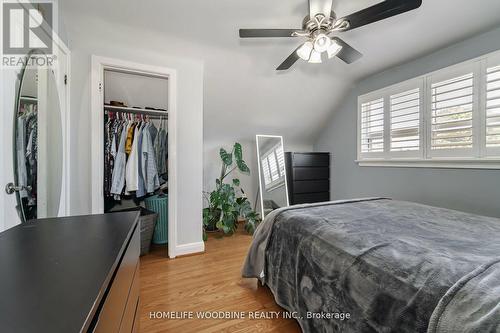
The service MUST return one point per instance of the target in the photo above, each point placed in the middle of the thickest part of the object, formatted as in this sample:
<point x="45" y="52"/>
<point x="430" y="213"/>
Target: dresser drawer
<point x="132" y="307"/>
<point x="310" y="173"/>
<point x="311" y="160"/>
<point x="311" y="197"/>
<point x="113" y="309"/>
<point x="311" y="186"/>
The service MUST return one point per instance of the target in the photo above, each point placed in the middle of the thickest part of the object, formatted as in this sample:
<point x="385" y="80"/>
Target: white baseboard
<point x="189" y="248"/>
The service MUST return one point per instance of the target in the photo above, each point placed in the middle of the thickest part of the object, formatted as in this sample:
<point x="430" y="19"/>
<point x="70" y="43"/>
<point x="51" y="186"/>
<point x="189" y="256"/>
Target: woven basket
<point x="147" y="223"/>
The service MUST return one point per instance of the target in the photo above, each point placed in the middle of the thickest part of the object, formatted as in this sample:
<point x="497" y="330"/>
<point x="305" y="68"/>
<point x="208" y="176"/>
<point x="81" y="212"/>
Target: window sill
<point x="493" y="164"/>
<point x="275" y="186"/>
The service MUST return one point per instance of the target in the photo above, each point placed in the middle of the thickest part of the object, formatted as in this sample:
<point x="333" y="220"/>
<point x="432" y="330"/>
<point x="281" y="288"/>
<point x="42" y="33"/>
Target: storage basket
<point x="159" y="204"/>
<point x="147" y="223"/>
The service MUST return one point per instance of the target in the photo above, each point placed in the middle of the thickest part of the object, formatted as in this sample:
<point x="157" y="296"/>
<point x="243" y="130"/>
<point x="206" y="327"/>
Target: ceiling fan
<point x="322" y="22"/>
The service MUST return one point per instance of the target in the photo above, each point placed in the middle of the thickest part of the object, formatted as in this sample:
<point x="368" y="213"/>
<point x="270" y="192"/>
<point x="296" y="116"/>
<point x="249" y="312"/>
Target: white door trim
<point x="99" y="64"/>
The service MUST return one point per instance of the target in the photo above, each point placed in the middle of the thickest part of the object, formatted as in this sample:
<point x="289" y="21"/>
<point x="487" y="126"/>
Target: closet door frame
<point x="99" y="65"/>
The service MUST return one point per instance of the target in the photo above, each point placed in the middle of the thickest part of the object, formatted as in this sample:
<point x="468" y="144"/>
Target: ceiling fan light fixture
<point x="333" y="49"/>
<point x="321" y="43"/>
<point x="315" y="57"/>
<point x="304" y="52"/>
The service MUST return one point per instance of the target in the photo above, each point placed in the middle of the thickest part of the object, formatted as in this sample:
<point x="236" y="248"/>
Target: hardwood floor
<point x="207" y="282"/>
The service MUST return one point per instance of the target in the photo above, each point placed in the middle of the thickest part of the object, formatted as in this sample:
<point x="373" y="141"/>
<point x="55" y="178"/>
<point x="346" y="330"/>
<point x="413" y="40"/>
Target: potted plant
<point x="228" y="201"/>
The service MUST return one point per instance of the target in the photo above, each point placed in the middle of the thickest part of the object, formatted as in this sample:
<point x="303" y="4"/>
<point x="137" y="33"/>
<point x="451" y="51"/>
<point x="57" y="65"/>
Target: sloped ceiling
<point x="243" y="94"/>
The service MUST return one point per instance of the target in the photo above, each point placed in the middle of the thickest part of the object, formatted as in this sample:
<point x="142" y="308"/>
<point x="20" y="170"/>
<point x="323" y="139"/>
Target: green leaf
<point x="226" y="157"/>
<point x="219" y="225"/>
<point x="236" y="182"/>
<point x="238" y="151"/>
<point x="242" y="166"/>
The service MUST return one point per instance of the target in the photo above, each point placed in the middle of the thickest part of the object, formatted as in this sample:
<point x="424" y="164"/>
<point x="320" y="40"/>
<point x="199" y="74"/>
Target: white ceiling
<point x="244" y="95"/>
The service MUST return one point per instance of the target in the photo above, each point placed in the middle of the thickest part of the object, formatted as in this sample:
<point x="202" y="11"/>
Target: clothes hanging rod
<point x="136" y="110"/>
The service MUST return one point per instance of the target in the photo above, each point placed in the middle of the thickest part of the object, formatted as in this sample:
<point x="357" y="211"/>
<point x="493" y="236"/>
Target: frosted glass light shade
<point x="333" y="49"/>
<point x="315" y="57"/>
<point x="321" y="43"/>
<point x="304" y="52"/>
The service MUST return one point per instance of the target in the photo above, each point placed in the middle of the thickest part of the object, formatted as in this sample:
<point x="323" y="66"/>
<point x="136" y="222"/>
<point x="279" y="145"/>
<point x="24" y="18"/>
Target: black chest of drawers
<point x="308" y="177"/>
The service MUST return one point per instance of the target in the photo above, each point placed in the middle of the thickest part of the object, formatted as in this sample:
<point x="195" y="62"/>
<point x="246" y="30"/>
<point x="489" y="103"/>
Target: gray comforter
<point x="390" y="266"/>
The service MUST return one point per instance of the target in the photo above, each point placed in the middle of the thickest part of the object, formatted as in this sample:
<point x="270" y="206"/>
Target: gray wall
<point x="476" y="191"/>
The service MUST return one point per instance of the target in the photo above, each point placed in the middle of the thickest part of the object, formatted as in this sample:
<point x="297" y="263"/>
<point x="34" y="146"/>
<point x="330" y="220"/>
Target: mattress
<point x="380" y="265"/>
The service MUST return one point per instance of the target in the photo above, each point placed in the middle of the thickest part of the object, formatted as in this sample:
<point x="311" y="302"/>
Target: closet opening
<point x="133" y="146"/>
<point x="136" y="150"/>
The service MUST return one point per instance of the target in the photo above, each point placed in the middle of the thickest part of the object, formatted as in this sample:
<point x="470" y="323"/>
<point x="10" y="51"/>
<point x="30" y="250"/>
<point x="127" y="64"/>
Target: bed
<point x="380" y="265"/>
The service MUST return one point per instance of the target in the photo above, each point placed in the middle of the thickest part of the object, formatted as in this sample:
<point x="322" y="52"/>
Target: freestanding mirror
<point x="272" y="174"/>
<point x="37" y="145"/>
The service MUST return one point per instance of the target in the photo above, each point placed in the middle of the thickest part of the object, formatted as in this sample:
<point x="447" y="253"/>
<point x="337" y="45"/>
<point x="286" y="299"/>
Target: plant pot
<point x="211" y="229"/>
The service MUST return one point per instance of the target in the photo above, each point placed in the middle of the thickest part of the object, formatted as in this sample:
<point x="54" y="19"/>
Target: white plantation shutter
<point x="452" y="113"/>
<point x="372" y="126"/>
<point x="447" y="118"/>
<point x="281" y="160"/>
<point x="274" y="166"/>
<point x="493" y="107"/>
<point x="266" y="172"/>
<point x="405" y="113"/>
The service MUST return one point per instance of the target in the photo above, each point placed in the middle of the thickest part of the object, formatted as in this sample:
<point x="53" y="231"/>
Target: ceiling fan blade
<point x="292" y="59"/>
<point x="320" y="7"/>
<point x="347" y="54"/>
<point x="258" y="33"/>
<point x="380" y="12"/>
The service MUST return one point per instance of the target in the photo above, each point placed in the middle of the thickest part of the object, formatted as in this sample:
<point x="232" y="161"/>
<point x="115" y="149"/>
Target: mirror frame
<point x="260" y="171"/>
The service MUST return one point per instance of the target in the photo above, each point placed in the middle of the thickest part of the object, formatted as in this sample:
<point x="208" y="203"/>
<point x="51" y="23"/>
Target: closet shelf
<point x="136" y="110"/>
<point x="29" y="99"/>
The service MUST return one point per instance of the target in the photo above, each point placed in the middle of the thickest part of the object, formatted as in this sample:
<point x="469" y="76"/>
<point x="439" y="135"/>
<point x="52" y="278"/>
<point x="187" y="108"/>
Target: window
<point x="453" y="113"/>
<point x="493" y="107"/>
<point x="372" y="126"/>
<point x="448" y="118"/>
<point x="273" y="167"/>
<point x="405" y="121"/>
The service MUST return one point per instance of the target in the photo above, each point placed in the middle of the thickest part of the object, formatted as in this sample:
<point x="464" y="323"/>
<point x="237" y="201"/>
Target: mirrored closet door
<point x="38" y="143"/>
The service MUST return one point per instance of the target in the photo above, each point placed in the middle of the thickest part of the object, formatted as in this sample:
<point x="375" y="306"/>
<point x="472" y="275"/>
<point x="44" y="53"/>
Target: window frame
<point x="477" y="157"/>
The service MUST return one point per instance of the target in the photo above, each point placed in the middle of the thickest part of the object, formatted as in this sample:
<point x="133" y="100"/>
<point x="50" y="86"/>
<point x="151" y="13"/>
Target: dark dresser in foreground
<point x="308" y="177"/>
<point x="73" y="274"/>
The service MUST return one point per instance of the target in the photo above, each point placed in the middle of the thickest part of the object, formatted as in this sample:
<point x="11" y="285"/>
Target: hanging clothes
<point x="130" y="139"/>
<point x="22" y="172"/>
<point x="149" y="169"/>
<point x="153" y="131"/>
<point x="160" y="149"/>
<point x="31" y="156"/>
<point x="130" y="157"/>
<point x="132" y="168"/>
<point x="108" y="155"/>
<point x="118" y="179"/>
<point x="141" y="186"/>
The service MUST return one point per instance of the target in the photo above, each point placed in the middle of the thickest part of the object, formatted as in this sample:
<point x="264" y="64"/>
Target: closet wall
<point x="135" y="90"/>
